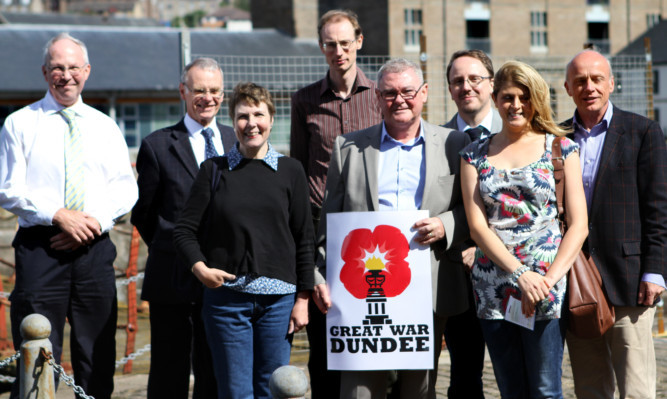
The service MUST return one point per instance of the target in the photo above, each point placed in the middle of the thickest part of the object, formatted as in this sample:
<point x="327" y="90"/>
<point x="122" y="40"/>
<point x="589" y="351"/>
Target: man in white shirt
<point x="65" y="171"/>
<point x="167" y="164"/>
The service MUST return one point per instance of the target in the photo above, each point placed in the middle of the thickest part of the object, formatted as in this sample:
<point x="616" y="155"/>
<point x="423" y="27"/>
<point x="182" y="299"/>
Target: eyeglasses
<point x="473" y="81"/>
<point x="199" y="93"/>
<point x="407" y="94"/>
<point x="345" y="45"/>
<point x="60" y="70"/>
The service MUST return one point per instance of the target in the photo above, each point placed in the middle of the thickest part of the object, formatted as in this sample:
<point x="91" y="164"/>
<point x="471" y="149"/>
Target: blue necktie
<point x="210" y="148"/>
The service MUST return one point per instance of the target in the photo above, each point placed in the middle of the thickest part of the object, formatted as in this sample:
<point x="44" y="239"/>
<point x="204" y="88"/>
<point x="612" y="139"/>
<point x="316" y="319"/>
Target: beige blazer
<point x="352" y="186"/>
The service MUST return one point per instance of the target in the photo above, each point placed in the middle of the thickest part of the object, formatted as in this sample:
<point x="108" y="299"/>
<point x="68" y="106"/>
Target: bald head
<point x="589" y="82"/>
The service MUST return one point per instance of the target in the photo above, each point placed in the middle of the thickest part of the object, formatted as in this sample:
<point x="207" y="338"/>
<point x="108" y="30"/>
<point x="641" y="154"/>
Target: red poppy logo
<point x="375" y="259"/>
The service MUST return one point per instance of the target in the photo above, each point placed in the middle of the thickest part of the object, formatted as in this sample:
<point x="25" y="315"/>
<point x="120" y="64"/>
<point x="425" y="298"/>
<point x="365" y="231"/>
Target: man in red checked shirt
<point x="342" y="102"/>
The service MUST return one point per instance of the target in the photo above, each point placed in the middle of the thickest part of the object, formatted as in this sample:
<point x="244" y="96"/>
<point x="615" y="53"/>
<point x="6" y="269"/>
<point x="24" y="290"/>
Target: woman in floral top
<point x="510" y="200"/>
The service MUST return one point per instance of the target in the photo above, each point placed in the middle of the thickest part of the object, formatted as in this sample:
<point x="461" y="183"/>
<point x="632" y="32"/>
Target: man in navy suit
<point x="167" y="164"/>
<point x="470" y="82"/>
<point x="624" y="166"/>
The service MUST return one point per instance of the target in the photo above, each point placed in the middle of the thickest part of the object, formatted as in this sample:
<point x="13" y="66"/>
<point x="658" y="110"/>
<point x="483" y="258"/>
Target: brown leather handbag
<point x="590" y="312"/>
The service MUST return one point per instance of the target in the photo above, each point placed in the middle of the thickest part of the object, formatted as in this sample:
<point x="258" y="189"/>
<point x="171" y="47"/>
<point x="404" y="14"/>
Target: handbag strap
<point x="559" y="177"/>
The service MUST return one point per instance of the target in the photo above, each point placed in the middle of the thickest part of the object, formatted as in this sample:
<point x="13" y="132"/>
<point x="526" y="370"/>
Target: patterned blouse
<point x="521" y="208"/>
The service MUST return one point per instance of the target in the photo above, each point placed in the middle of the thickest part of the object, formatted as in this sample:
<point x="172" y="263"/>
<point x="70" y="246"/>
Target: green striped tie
<point x="73" y="163"/>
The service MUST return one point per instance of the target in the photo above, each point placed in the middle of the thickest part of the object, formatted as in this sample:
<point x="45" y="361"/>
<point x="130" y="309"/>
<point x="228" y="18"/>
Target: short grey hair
<point x="207" y="64"/>
<point x="398" y="65"/>
<point x="64" y="36"/>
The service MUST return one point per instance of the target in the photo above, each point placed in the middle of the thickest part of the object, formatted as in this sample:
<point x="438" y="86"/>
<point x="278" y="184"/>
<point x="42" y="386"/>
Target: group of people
<point x="236" y="231"/>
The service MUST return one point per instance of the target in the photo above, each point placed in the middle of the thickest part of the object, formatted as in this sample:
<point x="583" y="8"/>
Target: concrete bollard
<point x="37" y="381"/>
<point x="288" y="382"/>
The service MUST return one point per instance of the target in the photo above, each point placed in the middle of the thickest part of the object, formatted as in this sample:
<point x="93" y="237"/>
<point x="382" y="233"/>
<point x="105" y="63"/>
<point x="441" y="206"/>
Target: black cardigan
<point x="258" y="222"/>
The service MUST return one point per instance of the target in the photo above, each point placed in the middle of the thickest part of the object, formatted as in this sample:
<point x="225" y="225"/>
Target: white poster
<point x="380" y="284"/>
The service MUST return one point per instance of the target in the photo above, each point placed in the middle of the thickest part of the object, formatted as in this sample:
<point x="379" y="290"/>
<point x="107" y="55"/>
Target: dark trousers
<point x="78" y="286"/>
<point x="323" y="383"/>
<point x="465" y="343"/>
<point x="178" y="340"/>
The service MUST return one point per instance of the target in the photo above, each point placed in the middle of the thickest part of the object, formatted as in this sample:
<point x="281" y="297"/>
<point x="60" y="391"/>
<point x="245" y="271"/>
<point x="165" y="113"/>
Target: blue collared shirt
<point x="401" y="172"/>
<point x="590" y="152"/>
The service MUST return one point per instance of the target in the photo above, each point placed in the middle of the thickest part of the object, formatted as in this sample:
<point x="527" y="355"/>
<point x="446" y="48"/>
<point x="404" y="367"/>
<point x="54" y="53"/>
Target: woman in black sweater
<point x="246" y="231"/>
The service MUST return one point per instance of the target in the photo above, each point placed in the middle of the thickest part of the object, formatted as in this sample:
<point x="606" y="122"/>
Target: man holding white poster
<point x="402" y="164"/>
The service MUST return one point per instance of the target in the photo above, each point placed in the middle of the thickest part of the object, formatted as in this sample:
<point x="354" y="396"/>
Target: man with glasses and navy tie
<point x="65" y="172"/>
<point x="167" y="164"/>
<point x="342" y="102"/>
<point x="470" y="79"/>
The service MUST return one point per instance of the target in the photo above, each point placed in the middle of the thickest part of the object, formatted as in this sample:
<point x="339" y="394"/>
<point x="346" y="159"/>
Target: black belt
<point x="41" y="233"/>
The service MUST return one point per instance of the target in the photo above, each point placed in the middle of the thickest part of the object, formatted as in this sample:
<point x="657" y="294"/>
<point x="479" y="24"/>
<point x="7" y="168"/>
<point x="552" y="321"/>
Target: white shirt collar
<point x="486" y="122"/>
<point x="195" y="127"/>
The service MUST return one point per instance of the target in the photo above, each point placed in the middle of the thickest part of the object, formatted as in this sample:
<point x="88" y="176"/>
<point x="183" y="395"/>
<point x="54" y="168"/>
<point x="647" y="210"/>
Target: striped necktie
<point x="74" y="181"/>
<point x="477" y="132"/>
<point x="209" y="150"/>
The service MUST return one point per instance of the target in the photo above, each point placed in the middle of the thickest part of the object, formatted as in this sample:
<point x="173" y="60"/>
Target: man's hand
<point x="468" y="256"/>
<point x="648" y="293"/>
<point x="299" y="316"/>
<point x="78" y="228"/>
<point x="429" y="230"/>
<point x="322" y="298"/>
<point x="210" y="277"/>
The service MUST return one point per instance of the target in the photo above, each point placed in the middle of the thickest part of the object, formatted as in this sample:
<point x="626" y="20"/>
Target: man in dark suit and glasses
<point x="167" y="164"/>
<point x="470" y="83"/>
<point x="624" y="167"/>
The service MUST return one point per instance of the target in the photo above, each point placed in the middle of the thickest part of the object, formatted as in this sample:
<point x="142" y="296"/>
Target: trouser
<point x="178" y="342"/>
<point x="624" y="355"/>
<point x="75" y="285"/>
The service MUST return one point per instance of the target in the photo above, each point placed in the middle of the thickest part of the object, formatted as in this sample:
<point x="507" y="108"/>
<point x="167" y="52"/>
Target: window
<point x="137" y="121"/>
<point x="553" y="100"/>
<point x="598" y="35"/>
<point x="538" y="30"/>
<point x="652" y="20"/>
<point x="656" y="81"/>
<point x="413" y="28"/>
<point x="477" y="35"/>
<point x="600" y="2"/>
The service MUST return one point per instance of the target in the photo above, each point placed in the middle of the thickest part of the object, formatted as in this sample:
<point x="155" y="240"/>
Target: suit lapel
<point x="433" y="155"/>
<point x="609" y="150"/>
<point x="227" y="136"/>
<point x="371" y="162"/>
<point x="183" y="149"/>
<point x="496" y="122"/>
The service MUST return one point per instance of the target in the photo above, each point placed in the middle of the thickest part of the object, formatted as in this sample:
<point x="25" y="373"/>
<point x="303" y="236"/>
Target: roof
<point x="657" y="34"/>
<point x="229" y="13"/>
<point x="132" y="59"/>
<point x="74" y="19"/>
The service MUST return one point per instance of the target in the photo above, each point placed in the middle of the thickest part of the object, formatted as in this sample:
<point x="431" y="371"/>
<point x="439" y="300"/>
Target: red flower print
<point x="364" y="250"/>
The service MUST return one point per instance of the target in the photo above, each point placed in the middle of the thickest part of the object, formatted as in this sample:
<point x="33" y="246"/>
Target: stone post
<point x="36" y="378"/>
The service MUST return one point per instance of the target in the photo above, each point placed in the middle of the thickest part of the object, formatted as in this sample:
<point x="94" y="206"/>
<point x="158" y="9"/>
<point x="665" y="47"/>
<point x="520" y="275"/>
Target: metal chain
<point x="133" y="356"/>
<point x="69" y="381"/>
<point x="10" y="359"/>
<point x="132" y="279"/>
<point x="5" y="363"/>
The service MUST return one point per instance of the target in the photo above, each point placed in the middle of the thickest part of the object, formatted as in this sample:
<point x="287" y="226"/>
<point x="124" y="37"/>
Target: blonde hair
<point x="521" y="74"/>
